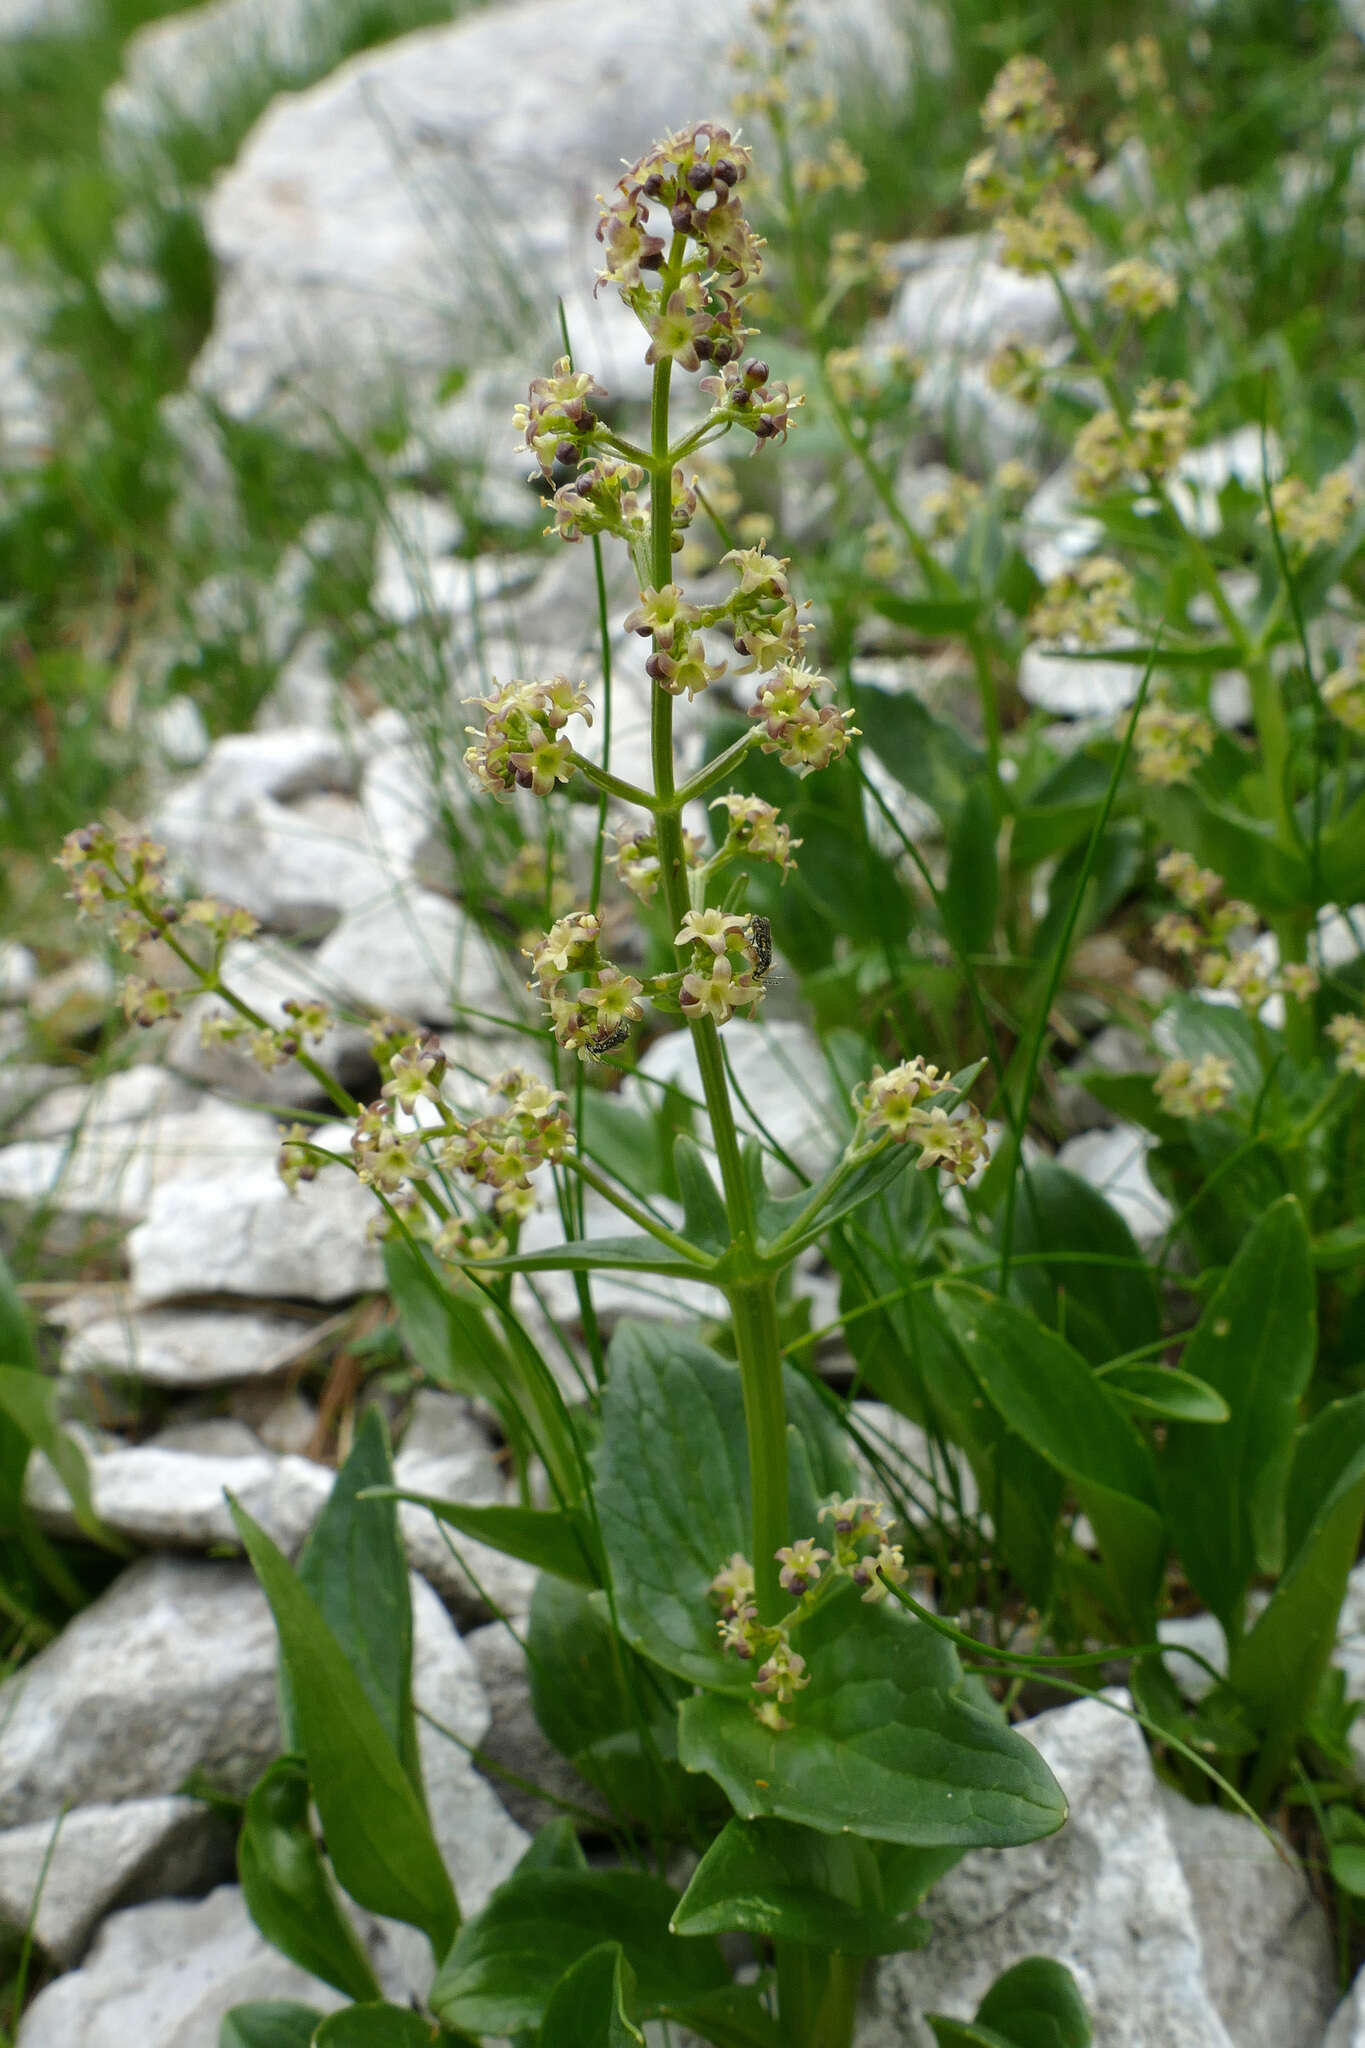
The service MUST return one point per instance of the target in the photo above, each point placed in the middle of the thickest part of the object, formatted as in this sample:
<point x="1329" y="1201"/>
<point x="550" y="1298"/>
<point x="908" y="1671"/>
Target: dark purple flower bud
<point x="566" y="452"/>
<point x="755" y="373"/>
<point x="721" y="349"/>
<point x="725" y="171"/>
<point x="653" y="185"/>
<point x="681" y="216"/>
<point x="654" y="669"/>
<point x="701" y="177"/>
<point x="652" y="259"/>
<point x="706" y="348"/>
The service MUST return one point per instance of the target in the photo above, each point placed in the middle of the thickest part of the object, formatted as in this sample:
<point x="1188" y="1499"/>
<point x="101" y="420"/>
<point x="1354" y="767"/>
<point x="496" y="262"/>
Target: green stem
<point x="753" y="1304"/>
<point x="611" y="785"/>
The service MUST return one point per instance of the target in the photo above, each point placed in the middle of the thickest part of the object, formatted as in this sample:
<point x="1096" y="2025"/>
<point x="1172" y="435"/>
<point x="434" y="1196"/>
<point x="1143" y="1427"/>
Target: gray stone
<point x="265" y="977"/>
<point x="514" y="1742"/>
<point x="23" y="1084"/>
<point x="18" y="972"/>
<point x="933" y="1479"/>
<point x="105" y="1857"/>
<point x="446" y="1454"/>
<point x="1076" y="686"/>
<point x="1348" y="2025"/>
<point x="114" y="1171"/>
<point x="209" y="1233"/>
<point x="76" y="1000"/>
<point x="781" y="1071"/>
<point x="296" y="867"/>
<point x="187" y="1348"/>
<point x="165" y="1497"/>
<point x="352" y="234"/>
<point x="126" y="1097"/>
<point x="171" y="1670"/>
<point x="163" y="1975"/>
<point x="1115" y="1162"/>
<point x="1202" y="1634"/>
<point x="415" y="955"/>
<point x="1107" y="1896"/>
<point x="959" y="300"/>
<point x="1268" y="1952"/>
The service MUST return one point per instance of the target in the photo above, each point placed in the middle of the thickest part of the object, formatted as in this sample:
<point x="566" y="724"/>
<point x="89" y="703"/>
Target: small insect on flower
<point x="758" y="937"/>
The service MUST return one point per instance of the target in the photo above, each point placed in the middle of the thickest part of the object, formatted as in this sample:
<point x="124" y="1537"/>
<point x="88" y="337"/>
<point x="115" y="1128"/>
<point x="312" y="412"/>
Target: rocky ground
<point x="352" y="238"/>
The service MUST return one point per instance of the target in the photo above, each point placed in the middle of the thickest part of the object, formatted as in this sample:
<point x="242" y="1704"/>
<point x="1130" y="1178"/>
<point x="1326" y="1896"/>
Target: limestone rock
<point x="514" y="1740"/>
<point x="1348" y="2025"/>
<point x="1115" y="1162"/>
<point x="175" y="1499"/>
<point x="324" y="230"/>
<point x="1268" y="1954"/>
<point x="778" y="1068"/>
<point x="266" y="976"/>
<point x="105" y="1857"/>
<point x="245" y="1234"/>
<point x="445" y="1453"/>
<point x="1106" y="1896"/>
<point x="18" y="972"/>
<point x="414" y="955"/>
<point x="958" y="299"/>
<point x="187" y="1348"/>
<point x="115" y="1170"/>
<point x="171" y="1670"/>
<point x="163" y="1975"/>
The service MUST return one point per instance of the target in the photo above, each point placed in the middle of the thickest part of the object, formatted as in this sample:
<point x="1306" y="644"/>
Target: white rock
<point x="1268" y="1959"/>
<point x="1107" y="1897"/>
<point x="187" y="1348"/>
<point x="245" y="1234"/>
<point x="514" y="1739"/>
<point x="1348" y="2025"/>
<point x="72" y="1002"/>
<point x="934" y="1480"/>
<point x="178" y="732"/>
<point x="1202" y="1634"/>
<point x="614" y="1294"/>
<point x="959" y="300"/>
<point x="325" y="228"/>
<point x="172" y="1499"/>
<point x="1115" y="1162"/>
<point x="106" y="1856"/>
<point x="18" y="972"/>
<point x="445" y="1453"/>
<point x="266" y="977"/>
<point x="415" y="955"/>
<point x="1053" y="532"/>
<point x="126" y="1097"/>
<point x="1077" y="686"/>
<point x="171" y="1670"/>
<point x="163" y="1975"/>
<point x="114" y="1170"/>
<point x="23" y="1085"/>
<point x="19" y="18"/>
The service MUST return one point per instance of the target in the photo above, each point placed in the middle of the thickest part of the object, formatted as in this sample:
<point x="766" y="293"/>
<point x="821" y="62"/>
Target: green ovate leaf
<point x="1034" y="2005"/>
<point x="28" y="1403"/>
<point x="706" y="1223"/>
<point x="1166" y="1391"/>
<point x="1243" y="850"/>
<point x="508" y="1960"/>
<point x="555" y="1847"/>
<point x="548" y="1538"/>
<point x="634" y="1254"/>
<point x="269" y="2023"/>
<point x="886" y="1742"/>
<point x="1104" y="1308"/>
<point x="673" y="1490"/>
<point x="1046" y="1392"/>
<point x="1223" y="1490"/>
<point x="928" y="757"/>
<point x="972" y="889"/>
<point x="1277" y="1668"/>
<point x="355" y="1567"/>
<point x="373" y="1819"/>
<point x="603" y="1707"/>
<point x="589" y="2004"/>
<point x="379" y="2025"/>
<point x="288" y="1888"/>
<point x="788" y="1883"/>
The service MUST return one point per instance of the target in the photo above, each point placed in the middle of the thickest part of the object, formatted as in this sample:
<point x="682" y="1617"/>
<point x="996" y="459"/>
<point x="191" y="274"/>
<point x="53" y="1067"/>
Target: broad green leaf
<point x="1223" y="1490"/>
<point x="554" y="1847"/>
<point x="1242" y="849"/>
<point x="545" y="1537"/>
<point x="1062" y="808"/>
<point x="375" y="1825"/>
<point x="588" y="2006"/>
<point x="788" y="1883"/>
<point x="928" y="757"/>
<point x="935" y="616"/>
<point x="1347" y="1865"/>
<point x="1277" y="1668"/>
<point x="603" y="1707"/>
<point x="507" y="1961"/>
<point x="706" y="1223"/>
<point x="636" y="1254"/>
<point x="673" y="1496"/>
<point x="1043" y="1389"/>
<point x="1108" y="1308"/>
<point x="288" y="1888"/>
<point x="378" y="2025"/>
<point x="972" y="888"/>
<point x="269" y="2023"/>
<point x="28" y="1402"/>
<point x="446" y="1328"/>
<point x="355" y="1567"/>
<point x="731" y="2016"/>
<point x="1166" y="1391"/>
<point x="886" y="1742"/>
<point x="1195" y="1030"/>
<point x="1034" y="2005"/>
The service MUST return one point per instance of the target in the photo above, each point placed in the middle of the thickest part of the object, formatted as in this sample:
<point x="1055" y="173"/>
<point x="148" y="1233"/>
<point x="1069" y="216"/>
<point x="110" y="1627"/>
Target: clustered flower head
<point x="901" y="1104"/>
<point x="1314" y="516"/>
<point x="521" y="744"/>
<point x="949" y="509"/>
<point x="1084" y="604"/>
<point x="862" y="1551"/>
<point x="1139" y="287"/>
<point x="1219" y="938"/>
<point x="729" y="955"/>
<point x="1169" y="743"/>
<point x="1344" y="692"/>
<point x="754" y="831"/>
<point x="1019" y="370"/>
<point x="636" y="859"/>
<point x="1109" y="453"/>
<point x="1194" y="1088"/>
<point x="804" y="736"/>
<point x="1021" y="177"/>
<point x="594" y="1016"/>
<point x="556" y="422"/>
<point x="1348" y="1036"/>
